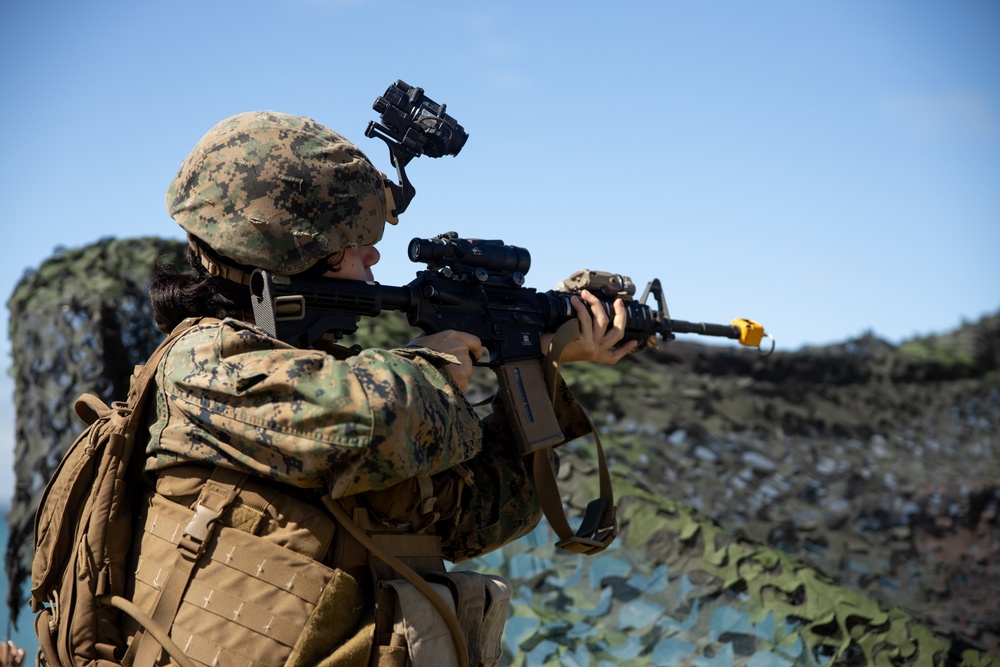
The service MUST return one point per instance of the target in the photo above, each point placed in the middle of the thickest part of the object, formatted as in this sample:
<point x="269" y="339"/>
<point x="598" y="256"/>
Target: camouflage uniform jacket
<point x="230" y="395"/>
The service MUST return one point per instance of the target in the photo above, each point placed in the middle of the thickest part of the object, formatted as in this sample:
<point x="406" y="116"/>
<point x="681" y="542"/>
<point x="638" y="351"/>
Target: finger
<point x="597" y="311"/>
<point x="616" y="332"/>
<point x="607" y="335"/>
<point x="475" y="347"/>
<point x="616" y="354"/>
<point x="621" y="314"/>
<point x="584" y="316"/>
<point x="450" y="341"/>
<point x="582" y="311"/>
<point x="464" y="342"/>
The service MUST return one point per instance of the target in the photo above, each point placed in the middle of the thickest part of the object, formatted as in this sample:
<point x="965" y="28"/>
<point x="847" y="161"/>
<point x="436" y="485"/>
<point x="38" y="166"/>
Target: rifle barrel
<point x="721" y="330"/>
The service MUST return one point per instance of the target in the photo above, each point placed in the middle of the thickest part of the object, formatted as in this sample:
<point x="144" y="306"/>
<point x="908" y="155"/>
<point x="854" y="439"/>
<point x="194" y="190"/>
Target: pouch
<point x="248" y="596"/>
<point x="410" y="632"/>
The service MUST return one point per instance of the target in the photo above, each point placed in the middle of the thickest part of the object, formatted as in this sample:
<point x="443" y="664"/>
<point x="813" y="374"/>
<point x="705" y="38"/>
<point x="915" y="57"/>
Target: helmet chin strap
<point x="217" y="268"/>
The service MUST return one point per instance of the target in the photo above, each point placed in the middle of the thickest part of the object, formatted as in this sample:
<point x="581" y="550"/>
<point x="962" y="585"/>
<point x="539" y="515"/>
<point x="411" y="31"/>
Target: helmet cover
<point x="278" y="192"/>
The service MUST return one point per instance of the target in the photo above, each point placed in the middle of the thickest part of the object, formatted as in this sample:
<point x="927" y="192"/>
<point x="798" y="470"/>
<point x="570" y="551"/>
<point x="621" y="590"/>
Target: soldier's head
<point x="272" y="191"/>
<point x="278" y="192"/>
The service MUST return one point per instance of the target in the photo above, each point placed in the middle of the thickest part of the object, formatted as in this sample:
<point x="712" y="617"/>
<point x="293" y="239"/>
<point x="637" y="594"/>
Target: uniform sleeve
<point x="230" y="395"/>
<point x="501" y="502"/>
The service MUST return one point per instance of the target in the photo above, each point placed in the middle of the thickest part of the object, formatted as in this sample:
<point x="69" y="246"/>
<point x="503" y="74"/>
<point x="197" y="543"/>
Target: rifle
<point x="477" y="286"/>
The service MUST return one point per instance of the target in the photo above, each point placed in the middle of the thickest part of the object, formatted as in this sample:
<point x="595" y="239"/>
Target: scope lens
<point x="416" y="250"/>
<point x="432" y="251"/>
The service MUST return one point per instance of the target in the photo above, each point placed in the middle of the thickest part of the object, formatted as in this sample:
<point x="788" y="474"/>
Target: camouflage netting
<point x="874" y="464"/>
<point x="77" y="324"/>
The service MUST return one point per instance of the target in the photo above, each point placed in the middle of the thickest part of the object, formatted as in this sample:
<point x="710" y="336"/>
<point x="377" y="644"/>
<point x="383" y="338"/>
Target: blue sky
<point x="825" y="167"/>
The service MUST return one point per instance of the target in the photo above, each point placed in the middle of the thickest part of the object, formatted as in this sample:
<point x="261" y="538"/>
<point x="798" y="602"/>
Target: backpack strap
<point x="140" y="386"/>
<point x="142" y="376"/>
<point x="138" y="395"/>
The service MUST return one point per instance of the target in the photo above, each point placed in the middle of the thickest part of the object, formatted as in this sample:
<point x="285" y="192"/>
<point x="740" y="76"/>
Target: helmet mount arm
<point x="400" y="157"/>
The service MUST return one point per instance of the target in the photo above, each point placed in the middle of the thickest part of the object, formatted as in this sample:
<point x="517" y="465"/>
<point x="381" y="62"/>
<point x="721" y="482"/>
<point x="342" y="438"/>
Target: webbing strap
<point x="217" y="268"/>
<point x="217" y="494"/>
<point x="599" y="527"/>
<point x="143" y="375"/>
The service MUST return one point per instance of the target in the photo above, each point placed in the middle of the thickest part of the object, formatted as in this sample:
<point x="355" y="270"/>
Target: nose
<point x="370" y="256"/>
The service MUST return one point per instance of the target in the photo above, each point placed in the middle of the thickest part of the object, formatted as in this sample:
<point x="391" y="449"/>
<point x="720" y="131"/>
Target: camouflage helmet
<point x="278" y="192"/>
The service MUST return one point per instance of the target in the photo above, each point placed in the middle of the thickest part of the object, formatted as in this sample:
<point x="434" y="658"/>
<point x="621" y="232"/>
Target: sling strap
<point x="599" y="526"/>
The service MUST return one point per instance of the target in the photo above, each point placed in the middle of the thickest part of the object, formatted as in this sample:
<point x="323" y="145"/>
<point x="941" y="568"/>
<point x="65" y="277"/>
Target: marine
<point x="333" y="466"/>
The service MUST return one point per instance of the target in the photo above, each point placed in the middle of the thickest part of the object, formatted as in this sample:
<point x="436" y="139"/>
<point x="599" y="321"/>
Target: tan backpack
<point x="83" y="530"/>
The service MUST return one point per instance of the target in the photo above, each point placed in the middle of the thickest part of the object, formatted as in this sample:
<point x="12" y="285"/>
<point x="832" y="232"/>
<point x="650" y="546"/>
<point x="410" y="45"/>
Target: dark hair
<point x="176" y="296"/>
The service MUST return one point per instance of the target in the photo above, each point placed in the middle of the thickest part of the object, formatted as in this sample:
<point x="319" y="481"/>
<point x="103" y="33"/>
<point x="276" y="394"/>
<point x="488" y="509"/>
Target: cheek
<point x="356" y="266"/>
<point x="353" y="259"/>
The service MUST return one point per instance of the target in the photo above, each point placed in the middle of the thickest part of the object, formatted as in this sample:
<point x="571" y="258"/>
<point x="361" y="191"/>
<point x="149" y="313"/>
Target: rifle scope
<point x="464" y="254"/>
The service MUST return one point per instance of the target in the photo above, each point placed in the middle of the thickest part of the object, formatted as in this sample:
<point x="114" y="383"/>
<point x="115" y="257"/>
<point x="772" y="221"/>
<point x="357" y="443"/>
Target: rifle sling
<point x="599" y="527"/>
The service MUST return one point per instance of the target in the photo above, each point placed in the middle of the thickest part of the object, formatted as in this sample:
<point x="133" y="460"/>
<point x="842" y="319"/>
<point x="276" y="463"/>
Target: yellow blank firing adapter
<point x="752" y="333"/>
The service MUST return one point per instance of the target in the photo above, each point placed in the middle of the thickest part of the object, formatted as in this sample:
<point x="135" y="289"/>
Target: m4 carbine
<point x="477" y="286"/>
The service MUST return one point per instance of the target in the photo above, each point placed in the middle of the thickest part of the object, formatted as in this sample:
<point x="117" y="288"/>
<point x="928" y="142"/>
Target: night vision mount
<point x="413" y="125"/>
